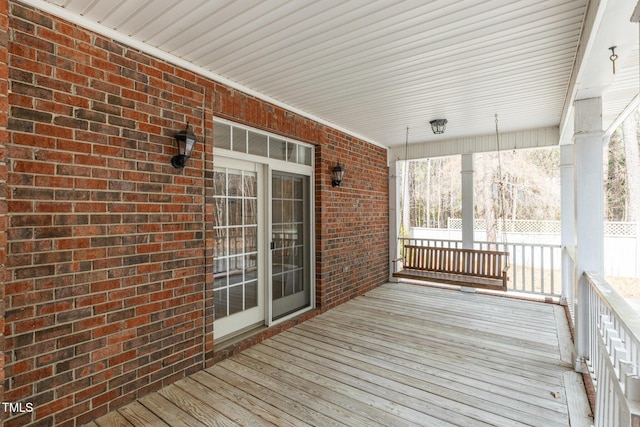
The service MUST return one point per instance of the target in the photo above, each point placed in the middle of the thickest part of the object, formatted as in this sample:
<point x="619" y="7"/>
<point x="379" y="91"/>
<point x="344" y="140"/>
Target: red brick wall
<point x="4" y="76"/>
<point x="352" y="221"/>
<point x="109" y="293"/>
<point x="106" y="238"/>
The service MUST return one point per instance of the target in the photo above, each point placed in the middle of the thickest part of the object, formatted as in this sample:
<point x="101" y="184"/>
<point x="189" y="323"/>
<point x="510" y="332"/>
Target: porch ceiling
<point x="375" y="67"/>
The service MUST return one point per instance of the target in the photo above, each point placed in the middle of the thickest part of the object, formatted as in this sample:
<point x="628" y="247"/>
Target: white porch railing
<point x="535" y="268"/>
<point x="613" y="358"/>
<point x="621" y="239"/>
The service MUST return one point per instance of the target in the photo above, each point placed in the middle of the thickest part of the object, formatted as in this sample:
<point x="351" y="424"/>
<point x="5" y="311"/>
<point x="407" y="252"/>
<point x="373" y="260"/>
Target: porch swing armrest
<point x="396" y="262"/>
<point x="507" y="265"/>
<point x="505" y="273"/>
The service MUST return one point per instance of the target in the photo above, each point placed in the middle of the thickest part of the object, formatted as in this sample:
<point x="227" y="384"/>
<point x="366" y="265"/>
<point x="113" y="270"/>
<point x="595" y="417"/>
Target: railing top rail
<point x="462" y="250"/>
<point x="617" y="304"/>
<point x="571" y="251"/>
<point x="430" y="239"/>
<point x="524" y="226"/>
<point x="479" y="242"/>
<point x="543" y="245"/>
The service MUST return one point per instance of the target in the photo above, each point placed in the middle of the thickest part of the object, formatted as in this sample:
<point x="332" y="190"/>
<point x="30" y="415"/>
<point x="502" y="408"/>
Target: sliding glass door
<point x="290" y="245"/>
<point x="263" y="228"/>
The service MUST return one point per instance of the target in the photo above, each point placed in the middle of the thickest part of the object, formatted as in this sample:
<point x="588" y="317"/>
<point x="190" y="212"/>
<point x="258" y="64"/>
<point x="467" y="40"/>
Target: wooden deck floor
<point x="403" y="355"/>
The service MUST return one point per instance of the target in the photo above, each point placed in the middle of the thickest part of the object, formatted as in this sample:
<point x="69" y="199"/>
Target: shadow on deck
<point x="402" y="355"/>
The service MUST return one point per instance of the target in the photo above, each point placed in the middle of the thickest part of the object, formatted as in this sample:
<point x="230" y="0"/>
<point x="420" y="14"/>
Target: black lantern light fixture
<point x="438" y="125"/>
<point x="338" y="174"/>
<point x="186" y="140"/>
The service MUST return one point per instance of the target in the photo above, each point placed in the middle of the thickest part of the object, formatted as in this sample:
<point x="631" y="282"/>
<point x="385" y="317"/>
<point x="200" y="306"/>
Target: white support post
<point x="567" y="237"/>
<point x="467" y="201"/>
<point x="589" y="212"/>
<point x="394" y="216"/>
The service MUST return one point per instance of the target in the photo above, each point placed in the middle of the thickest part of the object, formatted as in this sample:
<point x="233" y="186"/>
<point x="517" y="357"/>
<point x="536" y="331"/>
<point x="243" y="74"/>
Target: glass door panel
<point x="290" y="244"/>
<point x="236" y="257"/>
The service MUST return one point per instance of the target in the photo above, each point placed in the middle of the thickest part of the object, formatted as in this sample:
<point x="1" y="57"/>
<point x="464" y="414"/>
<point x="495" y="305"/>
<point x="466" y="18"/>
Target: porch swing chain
<point x="501" y="190"/>
<point x="404" y="178"/>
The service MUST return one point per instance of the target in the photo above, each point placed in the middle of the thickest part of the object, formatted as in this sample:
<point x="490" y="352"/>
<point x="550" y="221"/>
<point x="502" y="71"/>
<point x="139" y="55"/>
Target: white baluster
<point x="632" y="387"/>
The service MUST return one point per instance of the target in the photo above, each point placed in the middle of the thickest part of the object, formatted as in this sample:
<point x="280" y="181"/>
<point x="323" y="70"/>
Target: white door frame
<point x="268" y="165"/>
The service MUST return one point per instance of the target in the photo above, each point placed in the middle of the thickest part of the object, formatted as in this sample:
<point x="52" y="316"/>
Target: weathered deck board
<point x="449" y="384"/>
<point x="195" y="407"/>
<point x="138" y="415"/>
<point x="378" y="409"/>
<point x="113" y="419"/>
<point x="218" y="404"/>
<point x="579" y="407"/>
<point x="168" y="412"/>
<point x="402" y="355"/>
<point x="564" y="335"/>
<point x="258" y="406"/>
<point x="444" y="366"/>
<point x="294" y="407"/>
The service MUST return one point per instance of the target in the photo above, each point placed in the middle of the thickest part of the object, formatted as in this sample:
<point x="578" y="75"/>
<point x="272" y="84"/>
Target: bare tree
<point x="615" y="185"/>
<point x="528" y="187"/>
<point x="630" y="136"/>
<point x="486" y="200"/>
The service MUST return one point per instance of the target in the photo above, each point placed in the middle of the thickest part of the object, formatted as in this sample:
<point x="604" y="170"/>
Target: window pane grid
<point x="252" y="142"/>
<point x="288" y="236"/>
<point x="235" y="248"/>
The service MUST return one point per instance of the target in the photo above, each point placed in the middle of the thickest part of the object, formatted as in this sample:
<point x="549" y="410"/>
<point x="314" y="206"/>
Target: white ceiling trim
<point x="523" y="139"/>
<point x="592" y="18"/>
<point x="629" y="109"/>
<point x="635" y="17"/>
<point x="160" y="54"/>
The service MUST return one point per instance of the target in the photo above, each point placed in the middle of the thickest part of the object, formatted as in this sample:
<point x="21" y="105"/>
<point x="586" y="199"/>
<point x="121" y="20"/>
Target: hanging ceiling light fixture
<point x="438" y="125"/>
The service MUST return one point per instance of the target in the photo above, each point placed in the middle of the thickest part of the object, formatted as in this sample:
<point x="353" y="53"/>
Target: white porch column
<point x="468" y="202"/>
<point x="589" y="211"/>
<point x="567" y="209"/>
<point x="394" y="215"/>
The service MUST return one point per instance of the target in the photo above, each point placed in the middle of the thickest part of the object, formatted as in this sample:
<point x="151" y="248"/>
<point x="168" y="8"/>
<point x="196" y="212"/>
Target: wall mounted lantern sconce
<point x="186" y="140"/>
<point x="338" y="174"/>
<point x="438" y="125"/>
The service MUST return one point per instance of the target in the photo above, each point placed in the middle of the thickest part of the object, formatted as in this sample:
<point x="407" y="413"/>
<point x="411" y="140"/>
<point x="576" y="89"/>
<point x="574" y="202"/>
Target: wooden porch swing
<point x="465" y="267"/>
<point x="474" y="268"/>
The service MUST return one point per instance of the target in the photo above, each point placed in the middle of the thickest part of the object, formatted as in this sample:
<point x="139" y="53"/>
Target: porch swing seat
<point x="464" y="267"/>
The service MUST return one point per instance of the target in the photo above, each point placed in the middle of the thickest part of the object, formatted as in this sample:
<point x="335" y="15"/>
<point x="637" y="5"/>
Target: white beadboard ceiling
<point x="374" y="68"/>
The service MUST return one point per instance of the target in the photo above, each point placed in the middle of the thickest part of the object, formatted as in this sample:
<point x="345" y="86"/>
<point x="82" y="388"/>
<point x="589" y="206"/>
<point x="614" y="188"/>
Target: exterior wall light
<point x="338" y="174"/>
<point x="438" y="125"/>
<point x="186" y="140"/>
